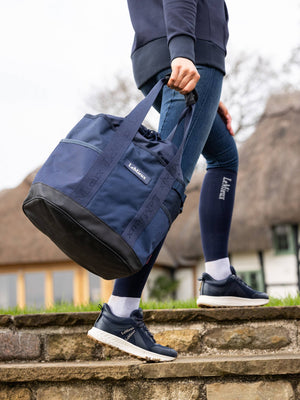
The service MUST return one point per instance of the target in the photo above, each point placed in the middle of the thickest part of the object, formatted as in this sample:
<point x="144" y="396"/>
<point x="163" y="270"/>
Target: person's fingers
<point x="184" y="75"/>
<point x="184" y="82"/>
<point x="226" y="117"/>
<point x="173" y="78"/>
<point x="189" y="87"/>
<point x="229" y="126"/>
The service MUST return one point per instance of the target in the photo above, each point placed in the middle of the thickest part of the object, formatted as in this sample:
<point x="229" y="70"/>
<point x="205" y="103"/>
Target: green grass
<point x="57" y="308"/>
<point x="67" y="307"/>
<point x="284" y="301"/>
<point x="158" y="305"/>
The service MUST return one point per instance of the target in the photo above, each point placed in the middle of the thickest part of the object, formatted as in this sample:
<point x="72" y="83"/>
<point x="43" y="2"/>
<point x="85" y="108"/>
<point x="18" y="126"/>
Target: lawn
<point x="67" y="307"/>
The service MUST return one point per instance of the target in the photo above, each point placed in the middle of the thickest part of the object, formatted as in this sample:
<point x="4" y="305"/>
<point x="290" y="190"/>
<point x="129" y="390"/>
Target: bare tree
<point x="120" y="98"/>
<point x="249" y="82"/>
<point x="291" y="71"/>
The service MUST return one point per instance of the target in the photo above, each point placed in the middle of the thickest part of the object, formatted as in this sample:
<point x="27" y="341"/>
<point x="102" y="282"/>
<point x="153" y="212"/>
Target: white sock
<point x="218" y="269"/>
<point x="123" y="306"/>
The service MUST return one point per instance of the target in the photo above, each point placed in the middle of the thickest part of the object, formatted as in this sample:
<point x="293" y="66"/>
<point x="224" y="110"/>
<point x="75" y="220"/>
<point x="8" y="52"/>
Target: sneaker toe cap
<point x="260" y="295"/>
<point x="164" y="350"/>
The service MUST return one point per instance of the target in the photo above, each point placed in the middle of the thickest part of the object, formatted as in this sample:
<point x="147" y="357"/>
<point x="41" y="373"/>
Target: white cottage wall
<point x="245" y="262"/>
<point x="185" y="290"/>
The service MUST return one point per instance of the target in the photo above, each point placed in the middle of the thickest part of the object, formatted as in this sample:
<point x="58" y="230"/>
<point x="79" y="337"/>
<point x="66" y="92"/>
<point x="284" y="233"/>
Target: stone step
<point x="192" y="332"/>
<point x="205" y="378"/>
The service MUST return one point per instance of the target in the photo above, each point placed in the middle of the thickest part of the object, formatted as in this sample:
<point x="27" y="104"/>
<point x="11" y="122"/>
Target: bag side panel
<point x="154" y="233"/>
<point x="96" y="130"/>
<point x="159" y="226"/>
<point x="66" y="167"/>
<point x="124" y="191"/>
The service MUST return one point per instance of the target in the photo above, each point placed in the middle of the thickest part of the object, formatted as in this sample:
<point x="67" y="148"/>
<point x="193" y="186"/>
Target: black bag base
<point x="47" y="210"/>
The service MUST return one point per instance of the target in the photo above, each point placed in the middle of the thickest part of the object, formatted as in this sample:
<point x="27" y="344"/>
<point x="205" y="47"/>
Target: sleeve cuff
<point x="182" y="46"/>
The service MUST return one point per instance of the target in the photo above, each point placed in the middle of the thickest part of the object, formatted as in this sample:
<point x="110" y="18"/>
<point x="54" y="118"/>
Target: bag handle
<point x="164" y="183"/>
<point x="112" y="152"/>
<point x="174" y="166"/>
<point x="162" y="186"/>
<point x="190" y="98"/>
<point x="139" y="113"/>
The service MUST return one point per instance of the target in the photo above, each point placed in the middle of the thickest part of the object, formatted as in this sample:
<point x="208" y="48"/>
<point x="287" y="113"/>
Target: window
<point x="283" y="239"/>
<point x="94" y="282"/>
<point x="8" y="290"/>
<point x="253" y="279"/>
<point x="35" y="289"/>
<point x="63" y="286"/>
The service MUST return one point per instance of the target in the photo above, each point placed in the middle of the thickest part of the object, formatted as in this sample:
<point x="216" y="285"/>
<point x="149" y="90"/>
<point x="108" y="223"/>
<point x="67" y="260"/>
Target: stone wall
<point x="236" y="354"/>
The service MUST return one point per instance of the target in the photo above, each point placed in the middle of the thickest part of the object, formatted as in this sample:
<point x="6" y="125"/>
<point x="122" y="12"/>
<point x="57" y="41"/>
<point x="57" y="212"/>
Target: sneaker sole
<point x="121" y="344"/>
<point x="227" y="301"/>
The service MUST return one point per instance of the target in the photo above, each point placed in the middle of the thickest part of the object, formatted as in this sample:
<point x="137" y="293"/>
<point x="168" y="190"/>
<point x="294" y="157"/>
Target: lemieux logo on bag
<point x="137" y="172"/>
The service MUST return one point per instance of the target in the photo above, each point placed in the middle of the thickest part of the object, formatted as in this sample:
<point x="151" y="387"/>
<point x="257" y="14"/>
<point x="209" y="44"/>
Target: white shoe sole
<point x="121" y="344"/>
<point x="226" y="301"/>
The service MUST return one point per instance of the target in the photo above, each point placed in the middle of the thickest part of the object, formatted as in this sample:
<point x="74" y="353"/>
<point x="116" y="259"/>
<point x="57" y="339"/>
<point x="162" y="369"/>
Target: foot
<point x="129" y="335"/>
<point x="232" y="291"/>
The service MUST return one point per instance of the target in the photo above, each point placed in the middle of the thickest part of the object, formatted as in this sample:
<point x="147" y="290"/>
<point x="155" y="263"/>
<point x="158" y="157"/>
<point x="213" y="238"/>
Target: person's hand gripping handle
<point x="184" y="76"/>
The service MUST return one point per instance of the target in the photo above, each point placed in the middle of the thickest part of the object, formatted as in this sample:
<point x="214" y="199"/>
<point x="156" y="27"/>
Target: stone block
<point x="298" y="391"/>
<point x="149" y="390"/>
<point x="71" y="346"/>
<point x="7" y="393"/>
<point x="19" y="346"/>
<point x="74" y="392"/>
<point x="6" y="320"/>
<point x="182" y="340"/>
<point x="280" y="390"/>
<point x="163" y="316"/>
<point x="55" y="319"/>
<point x="263" y="337"/>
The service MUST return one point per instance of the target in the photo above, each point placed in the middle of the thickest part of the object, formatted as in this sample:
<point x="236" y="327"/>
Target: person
<point x="186" y="38"/>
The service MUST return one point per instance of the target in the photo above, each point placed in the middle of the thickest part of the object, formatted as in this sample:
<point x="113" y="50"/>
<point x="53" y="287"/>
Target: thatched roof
<point x="268" y="189"/>
<point x="268" y="193"/>
<point x="20" y="241"/>
<point x="183" y="240"/>
<point x="269" y="184"/>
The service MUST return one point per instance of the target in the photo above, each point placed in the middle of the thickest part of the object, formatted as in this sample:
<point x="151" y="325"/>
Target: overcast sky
<point x="55" y="53"/>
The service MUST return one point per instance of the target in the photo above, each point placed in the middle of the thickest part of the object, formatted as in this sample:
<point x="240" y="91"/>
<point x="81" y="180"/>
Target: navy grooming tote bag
<point x="109" y="192"/>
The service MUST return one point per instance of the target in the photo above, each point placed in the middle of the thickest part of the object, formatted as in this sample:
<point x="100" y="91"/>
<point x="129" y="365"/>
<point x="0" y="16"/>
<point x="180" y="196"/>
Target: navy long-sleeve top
<point x="166" y="29"/>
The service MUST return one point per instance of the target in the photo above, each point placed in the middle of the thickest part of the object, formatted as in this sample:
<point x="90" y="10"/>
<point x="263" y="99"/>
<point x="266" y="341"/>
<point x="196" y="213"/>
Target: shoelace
<point x="241" y="281"/>
<point x="140" y="323"/>
<point x="234" y="274"/>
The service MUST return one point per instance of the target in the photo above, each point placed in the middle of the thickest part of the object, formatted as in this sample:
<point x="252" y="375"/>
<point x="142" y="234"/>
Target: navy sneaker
<point x="232" y="291"/>
<point x="130" y="335"/>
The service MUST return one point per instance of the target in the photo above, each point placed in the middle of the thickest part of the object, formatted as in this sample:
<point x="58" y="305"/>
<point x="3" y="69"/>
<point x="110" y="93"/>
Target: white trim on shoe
<point x="229" y="301"/>
<point x="121" y="344"/>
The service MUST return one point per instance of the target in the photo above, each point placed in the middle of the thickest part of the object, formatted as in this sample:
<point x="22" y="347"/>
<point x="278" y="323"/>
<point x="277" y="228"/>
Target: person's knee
<point x="233" y="161"/>
<point x="228" y="159"/>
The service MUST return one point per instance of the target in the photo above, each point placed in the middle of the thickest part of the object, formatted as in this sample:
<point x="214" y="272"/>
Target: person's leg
<point x="220" y="286"/>
<point x="127" y="291"/>
<point x="217" y="198"/>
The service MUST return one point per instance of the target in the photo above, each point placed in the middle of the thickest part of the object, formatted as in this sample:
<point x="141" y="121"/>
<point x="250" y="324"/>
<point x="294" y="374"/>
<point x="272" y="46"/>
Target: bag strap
<point x="107" y="160"/>
<point x="161" y="188"/>
<point x="174" y="165"/>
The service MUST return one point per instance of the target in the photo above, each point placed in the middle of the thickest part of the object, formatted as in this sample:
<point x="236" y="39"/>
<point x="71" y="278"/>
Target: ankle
<point x="218" y="269"/>
<point x="123" y="306"/>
